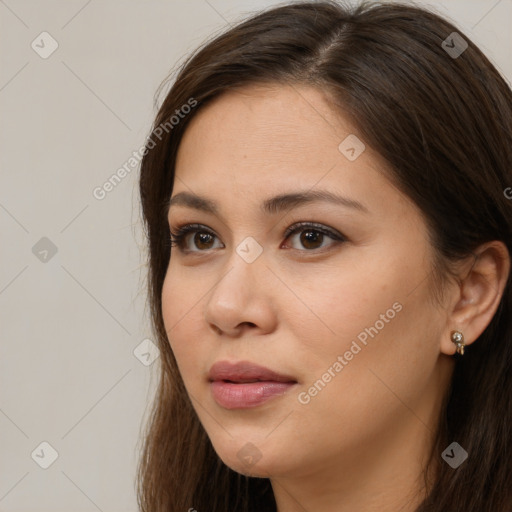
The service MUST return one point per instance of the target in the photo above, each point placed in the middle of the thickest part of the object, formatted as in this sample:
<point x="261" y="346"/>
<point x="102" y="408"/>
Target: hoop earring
<point x="458" y="338"/>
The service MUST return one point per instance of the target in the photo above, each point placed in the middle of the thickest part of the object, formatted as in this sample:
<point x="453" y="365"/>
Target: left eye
<point x="311" y="236"/>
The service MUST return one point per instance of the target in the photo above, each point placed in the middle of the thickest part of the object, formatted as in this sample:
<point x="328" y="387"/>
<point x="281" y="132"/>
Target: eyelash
<point x="178" y="237"/>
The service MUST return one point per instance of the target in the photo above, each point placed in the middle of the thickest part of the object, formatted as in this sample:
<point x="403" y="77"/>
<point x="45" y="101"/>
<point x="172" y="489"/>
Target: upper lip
<point x="244" y="371"/>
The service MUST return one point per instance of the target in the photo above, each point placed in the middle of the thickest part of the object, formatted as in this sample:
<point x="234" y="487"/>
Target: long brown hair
<point x="444" y="124"/>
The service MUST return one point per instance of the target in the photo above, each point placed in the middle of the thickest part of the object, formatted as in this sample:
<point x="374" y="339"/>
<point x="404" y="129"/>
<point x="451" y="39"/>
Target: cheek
<point x="372" y="334"/>
<point x="374" y="365"/>
<point x="182" y="291"/>
<point x="180" y="309"/>
<point x="334" y="306"/>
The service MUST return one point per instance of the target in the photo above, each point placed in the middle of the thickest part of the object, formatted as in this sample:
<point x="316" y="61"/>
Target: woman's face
<point x="341" y="310"/>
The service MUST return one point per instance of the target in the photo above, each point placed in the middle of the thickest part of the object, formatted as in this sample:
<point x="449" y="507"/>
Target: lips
<point x="244" y="384"/>
<point x="245" y="372"/>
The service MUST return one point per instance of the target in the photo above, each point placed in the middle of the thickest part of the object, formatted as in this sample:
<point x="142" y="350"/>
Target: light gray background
<point x="70" y="325"/>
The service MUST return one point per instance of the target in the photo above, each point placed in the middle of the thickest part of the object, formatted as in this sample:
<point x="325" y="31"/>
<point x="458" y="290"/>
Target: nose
<point x="242" y="300"/>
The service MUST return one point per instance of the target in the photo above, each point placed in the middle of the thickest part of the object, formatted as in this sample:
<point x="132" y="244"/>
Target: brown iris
<point x="311" y="237"/>
<point x="202" y="238"/>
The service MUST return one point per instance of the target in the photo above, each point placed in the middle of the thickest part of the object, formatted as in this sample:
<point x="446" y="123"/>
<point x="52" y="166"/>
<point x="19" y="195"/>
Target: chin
<point x="253" y="458"/>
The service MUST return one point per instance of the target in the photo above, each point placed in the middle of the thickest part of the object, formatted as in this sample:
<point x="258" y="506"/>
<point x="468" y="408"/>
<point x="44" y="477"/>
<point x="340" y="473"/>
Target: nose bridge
<point x="240" y="295"/>
<point x="243" y="271"/>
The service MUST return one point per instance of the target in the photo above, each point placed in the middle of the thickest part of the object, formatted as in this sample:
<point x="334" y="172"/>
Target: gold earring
<point x="458" y="339"/>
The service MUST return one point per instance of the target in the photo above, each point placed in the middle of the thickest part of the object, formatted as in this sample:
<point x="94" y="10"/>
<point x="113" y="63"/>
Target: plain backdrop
<point x="75" y="372"/>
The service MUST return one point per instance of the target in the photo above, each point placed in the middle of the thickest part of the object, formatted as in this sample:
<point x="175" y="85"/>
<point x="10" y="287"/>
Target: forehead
<point x="262" y="122"/>
<point x="263" y="141"/>
<point x="273" y="131"/>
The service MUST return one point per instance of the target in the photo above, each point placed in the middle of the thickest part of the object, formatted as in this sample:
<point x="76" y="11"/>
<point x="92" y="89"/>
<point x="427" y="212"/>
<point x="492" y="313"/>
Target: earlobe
<point x="458" y="338"/>
<point x="476" y="297"/>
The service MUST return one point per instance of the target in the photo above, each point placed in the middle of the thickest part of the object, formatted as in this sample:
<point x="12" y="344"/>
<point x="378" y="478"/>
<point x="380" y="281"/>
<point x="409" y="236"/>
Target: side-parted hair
<point x="443" y="123"/>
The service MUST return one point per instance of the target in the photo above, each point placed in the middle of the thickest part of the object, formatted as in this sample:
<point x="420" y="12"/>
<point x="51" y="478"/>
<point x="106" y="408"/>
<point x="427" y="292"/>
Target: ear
<point x="476" y="297"/>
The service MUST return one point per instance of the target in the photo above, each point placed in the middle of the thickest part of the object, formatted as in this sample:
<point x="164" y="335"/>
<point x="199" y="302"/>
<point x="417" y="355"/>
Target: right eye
<point x="202" y="238"/>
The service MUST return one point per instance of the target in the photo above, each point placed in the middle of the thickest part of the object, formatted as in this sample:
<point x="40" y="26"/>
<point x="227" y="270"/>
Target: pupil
<point x="310" y="237"/>
<point x="202" y="238"/>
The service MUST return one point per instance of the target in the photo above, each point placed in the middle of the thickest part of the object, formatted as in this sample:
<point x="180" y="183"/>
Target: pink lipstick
<point x="244" y="384"/>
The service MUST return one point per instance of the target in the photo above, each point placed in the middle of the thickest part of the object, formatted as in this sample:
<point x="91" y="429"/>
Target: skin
<point x="361" y="443"/>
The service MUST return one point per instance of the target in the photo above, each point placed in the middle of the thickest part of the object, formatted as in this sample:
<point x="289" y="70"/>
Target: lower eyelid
<point x="334" y="241"/>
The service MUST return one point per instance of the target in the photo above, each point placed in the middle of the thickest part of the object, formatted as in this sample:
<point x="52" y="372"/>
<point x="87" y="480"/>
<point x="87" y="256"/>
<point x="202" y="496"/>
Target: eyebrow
<point x="270" y="206"/>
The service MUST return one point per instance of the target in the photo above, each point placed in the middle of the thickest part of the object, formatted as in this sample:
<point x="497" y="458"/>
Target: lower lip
<point x="241" y="396"/>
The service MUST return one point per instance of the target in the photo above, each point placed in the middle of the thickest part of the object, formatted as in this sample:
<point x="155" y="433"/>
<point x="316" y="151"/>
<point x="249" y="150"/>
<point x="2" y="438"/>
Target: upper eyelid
<point x="196" y="226"/>
<point x="293" y="228"/>
<point x="304" y="224"/>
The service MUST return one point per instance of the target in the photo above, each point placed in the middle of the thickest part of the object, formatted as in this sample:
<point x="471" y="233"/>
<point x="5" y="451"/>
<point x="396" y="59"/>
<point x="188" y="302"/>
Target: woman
<point x="324" y="194"/>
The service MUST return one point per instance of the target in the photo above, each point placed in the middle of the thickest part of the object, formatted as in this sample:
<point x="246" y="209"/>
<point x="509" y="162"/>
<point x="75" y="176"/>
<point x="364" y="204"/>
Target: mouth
<point x="246" y="381"/>
<point x="245" y="385"/>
